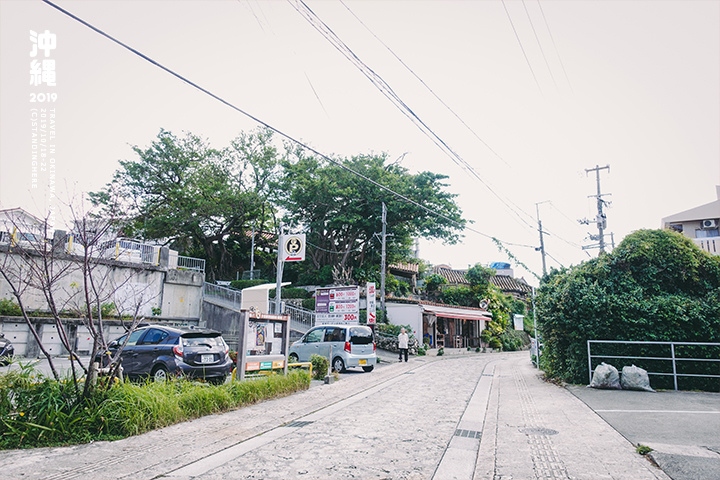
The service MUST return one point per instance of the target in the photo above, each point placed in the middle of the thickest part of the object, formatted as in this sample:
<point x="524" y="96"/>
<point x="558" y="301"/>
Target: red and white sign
<point x="371" y="306"/>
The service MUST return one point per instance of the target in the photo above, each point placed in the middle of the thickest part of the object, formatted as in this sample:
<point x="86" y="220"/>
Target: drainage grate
<point x="538" y="431"/>
<point x="467" y="433"/>
<point x="298" y="423"/>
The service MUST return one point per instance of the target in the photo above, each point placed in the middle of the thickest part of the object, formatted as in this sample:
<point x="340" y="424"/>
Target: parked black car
<point x="158" y="352"/>
<point x="6" y="350"/>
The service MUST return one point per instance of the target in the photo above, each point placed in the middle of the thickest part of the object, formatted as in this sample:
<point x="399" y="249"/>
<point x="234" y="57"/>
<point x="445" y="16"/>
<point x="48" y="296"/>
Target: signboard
<point x="337" y="305"/>
<point x="293" y="247"/>
<point x="371" y="308"/>
<point x="518" y="321"/>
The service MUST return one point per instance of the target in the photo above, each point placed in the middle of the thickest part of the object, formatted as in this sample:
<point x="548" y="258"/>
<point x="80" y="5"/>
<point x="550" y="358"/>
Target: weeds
<point x="38" y="411"/>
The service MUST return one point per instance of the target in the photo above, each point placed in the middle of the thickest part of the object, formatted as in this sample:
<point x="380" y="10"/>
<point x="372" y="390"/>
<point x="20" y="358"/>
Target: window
<point x="154" y="337"/>
<point x="361" y="335"/>
<point x="134" y="337"/>
<point x="314" y="336"/>
<point x="707" y="232"/>
<point x="334" y="334"/>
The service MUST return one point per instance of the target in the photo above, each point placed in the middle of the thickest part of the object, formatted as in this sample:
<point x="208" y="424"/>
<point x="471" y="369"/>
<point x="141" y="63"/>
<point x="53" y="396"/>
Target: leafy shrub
<point x="243" y="284"/>
<point x="291" y="292"/>
<point x="320" y="366"/>
<point x="657" y="285"/>
<point x="9" y="308"/>
<point x="440" y="352"/>
<point x="309" y="303"/>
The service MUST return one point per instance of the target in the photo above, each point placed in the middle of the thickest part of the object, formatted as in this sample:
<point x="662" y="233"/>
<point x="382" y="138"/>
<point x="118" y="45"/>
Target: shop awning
<point x="459" y="313"/>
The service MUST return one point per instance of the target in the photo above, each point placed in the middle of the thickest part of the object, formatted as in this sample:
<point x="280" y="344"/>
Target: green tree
<point x="200" y="200"/>
<point x="657" y="285"/>
<point x="342" y="213"/>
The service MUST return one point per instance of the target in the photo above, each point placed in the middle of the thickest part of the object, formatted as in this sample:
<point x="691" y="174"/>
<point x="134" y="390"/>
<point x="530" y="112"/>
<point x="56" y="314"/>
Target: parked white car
<point x="347" y="345"/>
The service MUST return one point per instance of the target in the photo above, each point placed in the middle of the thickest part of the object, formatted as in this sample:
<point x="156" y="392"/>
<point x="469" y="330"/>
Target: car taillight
<point x="227" y="349"/>
<point x="178" y="350"/>
<point x="373" y="347"/>
<point x="347" y="347"/>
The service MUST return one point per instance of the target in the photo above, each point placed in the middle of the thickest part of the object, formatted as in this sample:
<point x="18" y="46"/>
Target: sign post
<point x="291" y="248"/>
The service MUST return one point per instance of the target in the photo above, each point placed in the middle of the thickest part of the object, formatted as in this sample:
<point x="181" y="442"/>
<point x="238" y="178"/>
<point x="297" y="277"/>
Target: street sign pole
<point x="278" y="284"/>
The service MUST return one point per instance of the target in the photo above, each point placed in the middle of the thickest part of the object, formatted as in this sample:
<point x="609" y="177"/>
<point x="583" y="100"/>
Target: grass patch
<point x="38" y="411"/>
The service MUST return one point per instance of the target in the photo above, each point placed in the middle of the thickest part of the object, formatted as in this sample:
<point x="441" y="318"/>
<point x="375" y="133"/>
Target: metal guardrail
<point x="673" y="357"/>
<point x="301" y="319"/>
<point x="180" y="262"/>
<point x="227" y="296"/>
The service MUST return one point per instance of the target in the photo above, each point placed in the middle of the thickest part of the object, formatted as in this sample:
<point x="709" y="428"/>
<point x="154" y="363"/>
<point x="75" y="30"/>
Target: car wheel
<point x="369" y="368"/>
<point x="160" y="373"/>
<point x="338" y="365"/>
<point x="293" y="358"/>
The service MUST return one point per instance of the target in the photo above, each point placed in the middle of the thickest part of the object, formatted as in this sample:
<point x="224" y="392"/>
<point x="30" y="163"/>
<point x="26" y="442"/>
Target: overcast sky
<point x="529" y="94"/>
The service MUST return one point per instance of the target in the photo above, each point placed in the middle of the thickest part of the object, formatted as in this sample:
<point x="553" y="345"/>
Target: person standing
<point x="403" y="340"/>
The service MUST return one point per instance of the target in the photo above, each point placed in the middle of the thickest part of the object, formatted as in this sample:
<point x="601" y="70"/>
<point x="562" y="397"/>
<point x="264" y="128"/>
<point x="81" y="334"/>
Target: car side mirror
<point x="113" y="344"/>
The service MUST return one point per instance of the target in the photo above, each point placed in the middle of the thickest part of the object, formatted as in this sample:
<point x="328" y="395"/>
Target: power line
<point x="554" y="46"/>
<point x="387" y="90"/>
<point x="521" y="46"/>
<point x="425" y="84"/>
<point x="532" y="25"/>
<point x="279" y="132"/>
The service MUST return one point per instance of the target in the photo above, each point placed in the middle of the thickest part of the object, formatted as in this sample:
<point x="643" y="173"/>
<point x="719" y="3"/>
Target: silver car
<point x="347" y="346"/>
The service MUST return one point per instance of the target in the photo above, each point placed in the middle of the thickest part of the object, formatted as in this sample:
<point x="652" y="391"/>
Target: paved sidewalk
<point x="537" y="430"/>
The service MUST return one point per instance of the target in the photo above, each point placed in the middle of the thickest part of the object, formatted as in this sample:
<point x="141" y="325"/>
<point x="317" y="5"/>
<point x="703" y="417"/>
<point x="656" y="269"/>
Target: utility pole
<point x="382" y="259"/>
<point x="600" y="219"/>
<point x="542" y="242"/>
<point x="280" y="263"/>
<point x="252" y="253"/>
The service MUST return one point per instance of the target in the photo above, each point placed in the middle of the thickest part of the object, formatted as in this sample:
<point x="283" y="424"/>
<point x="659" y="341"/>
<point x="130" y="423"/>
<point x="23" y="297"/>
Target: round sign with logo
<point x="294" y="246"/>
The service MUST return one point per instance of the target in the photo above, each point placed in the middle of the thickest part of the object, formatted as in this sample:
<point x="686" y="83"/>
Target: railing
<point x="674" y="357"/>
<point x="131" y="251"/>
<point x="186" y="263"/>
<point x="301" y="319"/>
<point x="224" y="295"/>
<point x="709" y="244"/>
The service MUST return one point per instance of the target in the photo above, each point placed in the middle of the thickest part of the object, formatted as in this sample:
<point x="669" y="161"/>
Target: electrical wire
<point x="279" y="132"/>
<point x="302" y="8"/>
<point x="555" y="46"/>
<point x="532" y="25"/>
<point x="425" y="85"/>
<point x="521" y="46"/>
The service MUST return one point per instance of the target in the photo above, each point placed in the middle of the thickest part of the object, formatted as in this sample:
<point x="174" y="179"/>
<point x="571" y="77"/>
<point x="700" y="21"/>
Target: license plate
<point x="362" y="362"/>
<point x="207" y="358"/>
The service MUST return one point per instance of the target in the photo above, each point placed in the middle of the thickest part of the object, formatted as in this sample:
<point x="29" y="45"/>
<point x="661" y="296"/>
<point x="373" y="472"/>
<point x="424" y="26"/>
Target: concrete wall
<point x="224" y="320"/>
<point x="177" y="293"/>
<point x="406" y="314"/>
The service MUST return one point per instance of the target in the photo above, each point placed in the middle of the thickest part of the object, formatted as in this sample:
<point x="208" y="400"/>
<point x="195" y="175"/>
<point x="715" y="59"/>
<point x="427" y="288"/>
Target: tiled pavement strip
<point x="480" y="416"/>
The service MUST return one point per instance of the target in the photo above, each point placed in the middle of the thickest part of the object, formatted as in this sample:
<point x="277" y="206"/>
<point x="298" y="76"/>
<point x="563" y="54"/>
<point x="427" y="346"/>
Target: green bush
<point x="9" y="308"/>
<point x="320" y="366"/>
<point x="39" y="411"/>
<point x="243" y="284"/>
<point x="309" y="303"/>
<point x="291" y="292"/>
<point x="656" y="285"/>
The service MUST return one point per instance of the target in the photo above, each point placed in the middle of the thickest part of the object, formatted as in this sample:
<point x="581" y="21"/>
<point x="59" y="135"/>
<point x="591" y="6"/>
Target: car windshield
<point x="195" y="341"/>
<point x="361" y="335"/>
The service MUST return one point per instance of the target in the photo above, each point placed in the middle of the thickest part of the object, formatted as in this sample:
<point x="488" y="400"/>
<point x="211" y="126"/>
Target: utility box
<point x="263" y="343"/>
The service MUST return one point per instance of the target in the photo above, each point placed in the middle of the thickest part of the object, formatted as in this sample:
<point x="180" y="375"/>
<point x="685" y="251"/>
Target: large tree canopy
<point x="657" y="285"/>
<point x="342" y="213"/>
<point x="201" y="200"/>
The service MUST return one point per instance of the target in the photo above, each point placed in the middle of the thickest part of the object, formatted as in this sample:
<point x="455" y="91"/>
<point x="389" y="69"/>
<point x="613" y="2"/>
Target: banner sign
<point x="371" y="307"/>
<point x="337" y="305"/>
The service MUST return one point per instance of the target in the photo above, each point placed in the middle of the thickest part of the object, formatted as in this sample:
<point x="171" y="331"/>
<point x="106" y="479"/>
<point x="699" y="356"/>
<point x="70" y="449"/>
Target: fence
<point x="187" y="263"/>
<point x="301" y="319"/>
<point x="227" y="296"/>
<point x="676" y="358"/>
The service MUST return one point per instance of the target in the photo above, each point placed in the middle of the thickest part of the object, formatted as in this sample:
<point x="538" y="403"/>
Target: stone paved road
<point x="392" y="423"/>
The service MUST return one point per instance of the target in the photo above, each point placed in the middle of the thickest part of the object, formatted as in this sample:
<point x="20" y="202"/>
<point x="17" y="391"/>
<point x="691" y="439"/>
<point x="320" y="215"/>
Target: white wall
<point x="406" y="314"/>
